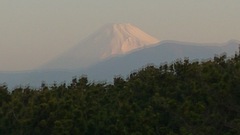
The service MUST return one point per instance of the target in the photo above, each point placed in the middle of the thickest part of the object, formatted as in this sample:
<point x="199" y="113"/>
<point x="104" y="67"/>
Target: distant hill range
<point x="165" y="51"/>
<point x="115" y="49"/>
<point x="106" y="69"/>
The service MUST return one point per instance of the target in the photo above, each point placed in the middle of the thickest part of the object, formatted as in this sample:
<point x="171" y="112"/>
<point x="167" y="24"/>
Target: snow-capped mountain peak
<point x="126" y="37"/>
<point x="110" y="40"/>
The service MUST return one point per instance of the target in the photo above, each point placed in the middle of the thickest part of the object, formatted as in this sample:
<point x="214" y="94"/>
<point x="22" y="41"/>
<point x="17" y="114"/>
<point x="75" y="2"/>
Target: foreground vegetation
<point x="186" y="98"/>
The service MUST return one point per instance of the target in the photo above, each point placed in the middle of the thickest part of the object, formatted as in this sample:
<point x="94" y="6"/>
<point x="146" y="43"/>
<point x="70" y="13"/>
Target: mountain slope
<point x="166" y="51"/>
<point x="110" y="40"/>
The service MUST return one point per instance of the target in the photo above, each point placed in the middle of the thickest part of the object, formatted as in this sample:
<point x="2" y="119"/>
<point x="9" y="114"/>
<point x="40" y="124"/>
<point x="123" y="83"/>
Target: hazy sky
<point x="34" y="31"/>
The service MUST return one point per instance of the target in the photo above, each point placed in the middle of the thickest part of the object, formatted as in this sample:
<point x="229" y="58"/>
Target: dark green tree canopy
<point x="182" y="98"/>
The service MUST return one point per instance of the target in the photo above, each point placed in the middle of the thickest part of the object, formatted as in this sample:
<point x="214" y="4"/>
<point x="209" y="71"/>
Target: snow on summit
<point x="125" y="38"/>
<point x="108" y="41"/>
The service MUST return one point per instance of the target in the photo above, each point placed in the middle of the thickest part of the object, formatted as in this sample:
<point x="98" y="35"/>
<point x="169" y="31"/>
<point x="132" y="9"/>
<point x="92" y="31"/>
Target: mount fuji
<point x="115" y="49"/>
<point x="108" y="41"/>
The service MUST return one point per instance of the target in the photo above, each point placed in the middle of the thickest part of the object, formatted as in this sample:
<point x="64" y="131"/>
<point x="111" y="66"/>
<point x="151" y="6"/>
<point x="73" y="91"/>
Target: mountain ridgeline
<point x="181" y="98"/>
<point x="105" y="70"/>
<point x="115" y="49"/>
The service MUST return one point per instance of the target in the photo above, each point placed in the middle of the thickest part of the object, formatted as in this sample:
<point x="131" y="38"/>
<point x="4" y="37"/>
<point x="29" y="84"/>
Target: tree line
<point x="182" y="98"/>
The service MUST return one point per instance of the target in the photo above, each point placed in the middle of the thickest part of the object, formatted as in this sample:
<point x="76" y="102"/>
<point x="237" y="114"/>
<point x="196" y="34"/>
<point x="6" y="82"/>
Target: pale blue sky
<point x="34" y="31"/>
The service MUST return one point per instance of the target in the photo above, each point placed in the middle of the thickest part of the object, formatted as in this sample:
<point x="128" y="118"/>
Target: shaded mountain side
<point x="165" y="52"/>
<point x="122" y="65"/>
